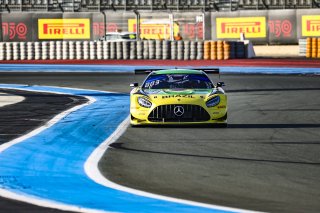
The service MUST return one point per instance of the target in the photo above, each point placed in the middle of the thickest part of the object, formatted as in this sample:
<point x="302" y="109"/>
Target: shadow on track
<point x="120" y="146"/>
<point x="233" y="126"/>
<point x="272" y="90"/>
<point x="272" y="126"/>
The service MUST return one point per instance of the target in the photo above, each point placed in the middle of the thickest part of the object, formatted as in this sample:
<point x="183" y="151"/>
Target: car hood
<point x="177" y="91"/>
<point x="180" y="95"/>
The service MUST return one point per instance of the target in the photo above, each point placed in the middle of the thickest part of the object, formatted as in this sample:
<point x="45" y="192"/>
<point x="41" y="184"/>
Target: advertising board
<point x="310" y="25"/>
<point x="16" y="27"/>
<point x="261" y="27"/>
<point x="282" y="27"/>
<point x="252" y="27"/>
<point x="54" y="29"/>
<point x="153" y="29"/>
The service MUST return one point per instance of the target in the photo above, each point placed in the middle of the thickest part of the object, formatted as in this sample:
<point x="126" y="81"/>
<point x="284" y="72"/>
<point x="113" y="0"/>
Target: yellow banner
<point x="311" y="25"/>
<point x="64" y="28"/>
<point x="252" y="27"/>
<point x="152" y="30"/>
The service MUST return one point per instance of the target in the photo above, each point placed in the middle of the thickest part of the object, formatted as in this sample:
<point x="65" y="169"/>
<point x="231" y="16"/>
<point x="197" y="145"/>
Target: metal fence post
<point x="138" y="24"/>
<point x="171" y="18"/>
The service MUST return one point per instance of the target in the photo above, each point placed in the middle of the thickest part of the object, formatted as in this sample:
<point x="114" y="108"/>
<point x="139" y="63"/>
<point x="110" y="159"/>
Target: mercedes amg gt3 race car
<point x="178" y="96"/>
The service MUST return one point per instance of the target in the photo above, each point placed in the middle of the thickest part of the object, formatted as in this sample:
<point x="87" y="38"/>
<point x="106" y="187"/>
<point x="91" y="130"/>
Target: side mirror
<point x="134" y="85"/>
<point x="220" y="84"/>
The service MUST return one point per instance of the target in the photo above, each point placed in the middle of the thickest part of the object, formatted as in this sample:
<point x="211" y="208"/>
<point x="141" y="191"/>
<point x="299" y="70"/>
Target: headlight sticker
<point x="144" y="102"/>
<point x="213" y="101"/>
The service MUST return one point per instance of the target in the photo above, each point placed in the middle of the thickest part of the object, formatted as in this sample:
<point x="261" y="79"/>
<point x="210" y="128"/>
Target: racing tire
<point x="222" y="125"/>
<point x="135" y="126"/>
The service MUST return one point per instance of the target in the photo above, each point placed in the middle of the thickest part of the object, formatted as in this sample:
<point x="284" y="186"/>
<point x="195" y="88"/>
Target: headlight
<point x="213" y="101"/>
<point x="144" y="102"/>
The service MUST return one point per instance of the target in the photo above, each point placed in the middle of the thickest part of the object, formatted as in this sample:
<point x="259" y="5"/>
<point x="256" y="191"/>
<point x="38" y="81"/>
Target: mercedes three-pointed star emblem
<point x="178" y="110"/>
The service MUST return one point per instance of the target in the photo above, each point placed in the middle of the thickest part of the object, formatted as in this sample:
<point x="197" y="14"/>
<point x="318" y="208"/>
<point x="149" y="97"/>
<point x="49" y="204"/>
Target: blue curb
<point x="130" y="69"/>
<point x="50" y="165"/>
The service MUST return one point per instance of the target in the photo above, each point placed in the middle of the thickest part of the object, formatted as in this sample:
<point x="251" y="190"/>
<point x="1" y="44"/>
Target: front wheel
<point x="222" y="125"/>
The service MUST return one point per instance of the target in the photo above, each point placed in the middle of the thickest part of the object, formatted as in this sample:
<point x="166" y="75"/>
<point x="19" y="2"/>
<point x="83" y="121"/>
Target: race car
<point x="178" y="96"/>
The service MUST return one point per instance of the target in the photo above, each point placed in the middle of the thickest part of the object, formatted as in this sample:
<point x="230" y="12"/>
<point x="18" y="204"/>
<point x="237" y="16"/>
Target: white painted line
<point x="45" y="203"/>
<point x="47" y="125"/>
<point x="36" y="200"/>
<point x="9" y="99"/>
<point x="92" y="170"/>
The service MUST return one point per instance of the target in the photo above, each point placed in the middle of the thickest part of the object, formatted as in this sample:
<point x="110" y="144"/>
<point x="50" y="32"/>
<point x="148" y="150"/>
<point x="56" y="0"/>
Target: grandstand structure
<point x="7" y="6"/>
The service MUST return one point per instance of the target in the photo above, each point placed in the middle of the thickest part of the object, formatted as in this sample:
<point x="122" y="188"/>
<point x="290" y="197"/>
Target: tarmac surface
<point x="266" y="160"/>
<point x="7" y="99"/>
<point x="301" y="62"/>
<point x="20" y="118"/>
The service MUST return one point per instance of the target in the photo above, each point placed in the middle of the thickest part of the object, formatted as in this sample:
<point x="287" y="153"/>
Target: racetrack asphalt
<point x="19" y="119"/>
<point x="267" y="159"/>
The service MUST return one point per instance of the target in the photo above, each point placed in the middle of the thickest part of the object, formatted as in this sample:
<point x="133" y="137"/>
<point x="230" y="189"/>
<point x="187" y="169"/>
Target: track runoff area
<point x="266" y="160"/>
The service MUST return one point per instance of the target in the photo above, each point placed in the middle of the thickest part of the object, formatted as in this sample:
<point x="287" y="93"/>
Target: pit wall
<point x="103" y="50"/>
<point x="261" y="26"/>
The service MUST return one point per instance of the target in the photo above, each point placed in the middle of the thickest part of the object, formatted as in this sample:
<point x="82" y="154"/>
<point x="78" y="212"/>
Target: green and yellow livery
<point x="178" y="96"/>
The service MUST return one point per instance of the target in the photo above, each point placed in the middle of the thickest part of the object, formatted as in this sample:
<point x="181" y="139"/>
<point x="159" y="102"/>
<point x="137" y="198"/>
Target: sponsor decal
<point x="280" y="28"/>
<point x="221" y="107"/>
<point x="99" y="28"/>
<point x="311" y="25"/>
<point x="177" y="96"/>
<point x="178" y="111"/>
<point x="14" y="30"/>
<point x="252" y="27"/>
<point x="191" y="30"/>
<point x="64" y="28"/>
<point x="155" y="29"/>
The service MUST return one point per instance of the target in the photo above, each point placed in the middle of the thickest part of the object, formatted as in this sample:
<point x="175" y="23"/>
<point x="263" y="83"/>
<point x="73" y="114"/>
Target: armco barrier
<point x="128" y="50"/>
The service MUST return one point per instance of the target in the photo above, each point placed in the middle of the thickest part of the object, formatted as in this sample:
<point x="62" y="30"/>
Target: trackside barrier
<point x="106" y="50"/>
<point x="2" y="51"/>
<point x="132" y="50"/>
<point x="309" y="47"/>
<point x="85" y="50"/>
<point x="22" y="50"/>
<point x="180" y="50"/>
<point x="173" y="50"/>
<point x="200" y="52"/>
<point x="165" y="50"/>
<point x="139" y="50"/>
<point x="45" y="48"/>
<point x="223" y="50"/>
<point x="193" y="50"/>
<point x="30" y="51"/>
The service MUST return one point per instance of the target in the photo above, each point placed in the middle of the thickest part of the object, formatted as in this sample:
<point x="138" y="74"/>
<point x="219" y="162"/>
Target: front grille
<point x="165" y="113"/>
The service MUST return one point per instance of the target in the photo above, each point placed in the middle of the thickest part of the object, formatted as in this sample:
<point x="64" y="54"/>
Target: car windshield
<point x="129" y="36"/>
<point x="177" y="81"/>
<point x="124" y="36"/>
<point x="112" y="37"/>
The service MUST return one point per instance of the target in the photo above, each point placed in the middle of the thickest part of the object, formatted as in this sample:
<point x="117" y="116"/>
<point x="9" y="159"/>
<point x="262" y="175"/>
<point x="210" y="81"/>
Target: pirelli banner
<point x="91" y="26"/>
<point x="264" y="27"/>
<point x="69" y="26"/>
<point x="308" y="23"/>
<point x="51" y="26"/>
<point x="155" y="25"/>
<point x="268" y="26"/>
